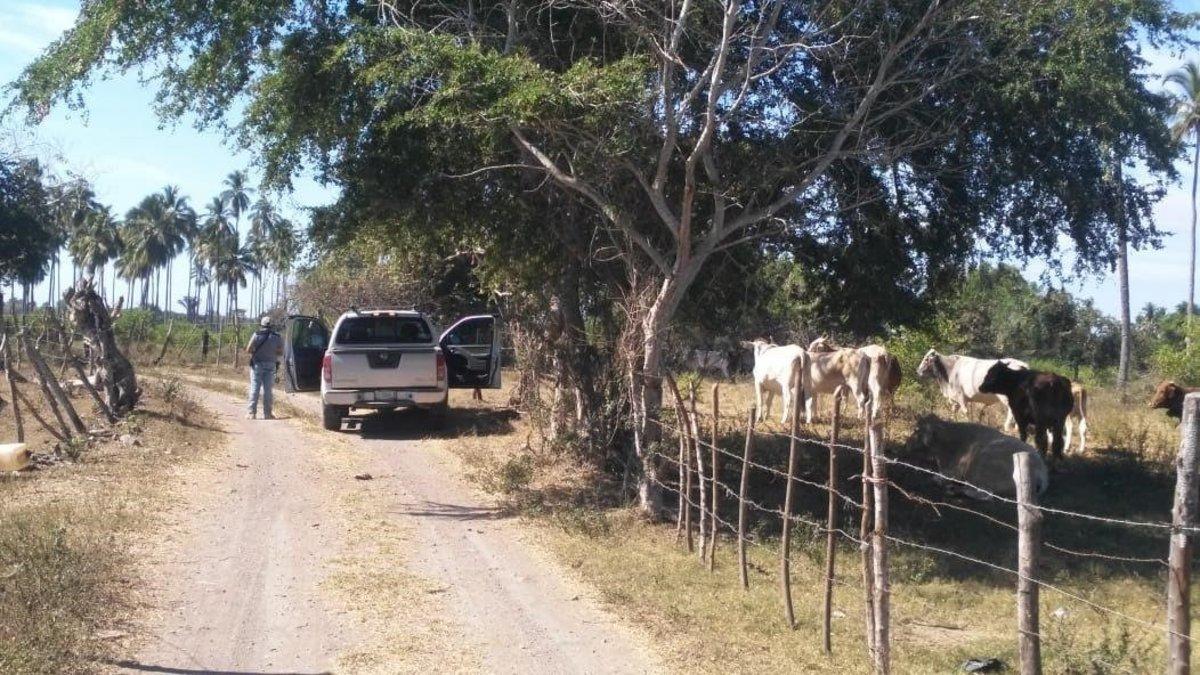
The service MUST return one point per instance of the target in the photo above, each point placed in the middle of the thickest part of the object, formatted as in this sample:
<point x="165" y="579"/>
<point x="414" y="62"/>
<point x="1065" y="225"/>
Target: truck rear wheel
<point x="331" y="416"/>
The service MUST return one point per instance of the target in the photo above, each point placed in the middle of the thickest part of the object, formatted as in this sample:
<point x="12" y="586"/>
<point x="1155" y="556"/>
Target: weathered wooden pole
<point x="785" y="539"/>
<point x="12" y="388"/>
<point x="714" y="477"/>
<point x="43" y="379"/>
<point x="56" y="389"/>
<point x="698" y="450"/>
<point x="864" y="536"/>
<point x="882" y="586"/>
<point x="1179" y="560"/>
<point x="742" y="487"/>
<point x="1029" y="543"/>
<point x="831" y="526"/>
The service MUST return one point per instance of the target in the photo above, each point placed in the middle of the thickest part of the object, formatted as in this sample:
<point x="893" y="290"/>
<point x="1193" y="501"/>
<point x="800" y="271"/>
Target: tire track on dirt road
<point x="521" y="607"/>
<point x="238" y="588"/>
<point x="505" y="598"/>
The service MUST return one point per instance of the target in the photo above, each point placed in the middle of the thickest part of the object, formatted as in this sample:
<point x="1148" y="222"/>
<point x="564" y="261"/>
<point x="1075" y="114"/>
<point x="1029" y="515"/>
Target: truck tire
<point x="331" y="416"/>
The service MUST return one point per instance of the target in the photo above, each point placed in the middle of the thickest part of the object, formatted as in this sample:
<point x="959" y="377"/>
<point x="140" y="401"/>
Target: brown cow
<point x="1169" y="396"/>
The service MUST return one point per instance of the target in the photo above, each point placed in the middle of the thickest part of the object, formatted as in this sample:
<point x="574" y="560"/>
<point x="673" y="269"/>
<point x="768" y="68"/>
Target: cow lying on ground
<point x="973" y="453"/>
<point x="870" y="373"/>
<point x="776" y="370"/>
<point x="709" y="361"/>
<point x="1039" y="400"/>
<point x="1169" y="396"/>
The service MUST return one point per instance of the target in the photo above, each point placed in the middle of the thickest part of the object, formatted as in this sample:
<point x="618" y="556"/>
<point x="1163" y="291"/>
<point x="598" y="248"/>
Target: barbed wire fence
<point x="699" y="488"/>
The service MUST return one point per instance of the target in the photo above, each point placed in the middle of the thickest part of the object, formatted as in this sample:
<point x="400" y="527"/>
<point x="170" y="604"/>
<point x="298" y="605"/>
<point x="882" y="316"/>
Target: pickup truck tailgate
<point x="382" y="367"/>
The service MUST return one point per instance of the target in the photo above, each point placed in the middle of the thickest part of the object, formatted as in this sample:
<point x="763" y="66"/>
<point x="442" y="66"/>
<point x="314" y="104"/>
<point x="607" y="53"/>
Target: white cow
<point x="958" y="377"/>
<point x="709" y="361"/>
<point x="776" y="369"/>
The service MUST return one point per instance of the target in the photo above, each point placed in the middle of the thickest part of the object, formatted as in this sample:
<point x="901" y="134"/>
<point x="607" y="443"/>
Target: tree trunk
<point x="92" y="317"/>
<point x="654" y="328"/>
<point x="1191" y="300"/>
<point x="1124" y="364"/>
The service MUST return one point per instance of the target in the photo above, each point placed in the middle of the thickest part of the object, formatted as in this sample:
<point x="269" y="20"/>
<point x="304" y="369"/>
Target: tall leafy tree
<point x="680" y="132"/>
<point x="1187" y="125"/>
<point x="26" y="242"/>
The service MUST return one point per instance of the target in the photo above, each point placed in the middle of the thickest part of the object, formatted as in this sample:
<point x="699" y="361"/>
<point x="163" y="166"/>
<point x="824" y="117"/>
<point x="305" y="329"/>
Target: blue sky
<point x="119" y="143"/>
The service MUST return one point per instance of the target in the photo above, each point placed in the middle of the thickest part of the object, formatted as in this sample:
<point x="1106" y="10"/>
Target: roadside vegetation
<point x="73" y="530"/>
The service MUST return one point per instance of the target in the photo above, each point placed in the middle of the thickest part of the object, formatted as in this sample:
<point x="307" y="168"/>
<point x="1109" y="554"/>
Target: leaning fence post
<point x="785" y="539"/>
<point x="831" y="525"/>
<point x="746" y="453"/>
<point x="12" y="387"/>
<point x="1179" y="561"/>
<point x="879" y="548"/>
<point x="714" y="477"/>
<point x="1029" y="542"/>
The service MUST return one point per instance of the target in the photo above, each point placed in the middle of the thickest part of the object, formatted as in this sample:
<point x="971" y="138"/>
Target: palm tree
<point x="1187" y="123"/>
<point x="264" y="222"/>
<point x="95" y="242"/>
<point x="179" y="226"/>
<point x="215" y="233"/>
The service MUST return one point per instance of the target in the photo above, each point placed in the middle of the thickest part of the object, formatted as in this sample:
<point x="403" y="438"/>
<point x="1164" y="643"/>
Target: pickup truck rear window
<point x="373" y="330"/>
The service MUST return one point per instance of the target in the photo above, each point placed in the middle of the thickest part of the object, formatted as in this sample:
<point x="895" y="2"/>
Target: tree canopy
<point x="26" y="239"/>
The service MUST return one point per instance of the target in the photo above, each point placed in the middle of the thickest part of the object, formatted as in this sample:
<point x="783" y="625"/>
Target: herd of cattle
<point x="1048" y="405"/>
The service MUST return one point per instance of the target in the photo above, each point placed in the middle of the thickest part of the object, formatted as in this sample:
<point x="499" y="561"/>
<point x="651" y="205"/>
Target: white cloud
<point x="26" y="28"/>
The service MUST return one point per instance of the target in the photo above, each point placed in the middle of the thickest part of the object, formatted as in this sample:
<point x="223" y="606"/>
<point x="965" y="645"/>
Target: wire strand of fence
<point x="1149" y="625"/>
<point x="1124" y="522"/>
<point x="935" y="504"/>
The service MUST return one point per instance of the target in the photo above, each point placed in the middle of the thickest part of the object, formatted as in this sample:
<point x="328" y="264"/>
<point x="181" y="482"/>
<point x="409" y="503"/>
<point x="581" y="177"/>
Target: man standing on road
<point x="265" y="350"/>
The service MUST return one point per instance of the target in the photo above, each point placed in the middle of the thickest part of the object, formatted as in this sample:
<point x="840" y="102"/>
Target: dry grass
<point x="67" y="583"/>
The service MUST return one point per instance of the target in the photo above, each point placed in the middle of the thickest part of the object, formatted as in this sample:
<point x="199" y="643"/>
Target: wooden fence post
<point x="746" y="454"/>
<point x="714" y="479"/>
<point x="864" y="536"/>
<point x="702" y="497"/>
<point x="1029" y="542"/>
<point x="882" y="586"/>
<point x="1179" y="560"/>
<point x="785" y="539"/>
<point x="831" y="525"/>
<point x="12" y="388"/>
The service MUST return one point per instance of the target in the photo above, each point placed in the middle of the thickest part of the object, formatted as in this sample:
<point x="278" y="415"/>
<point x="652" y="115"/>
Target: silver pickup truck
<point x="389" y="359"/>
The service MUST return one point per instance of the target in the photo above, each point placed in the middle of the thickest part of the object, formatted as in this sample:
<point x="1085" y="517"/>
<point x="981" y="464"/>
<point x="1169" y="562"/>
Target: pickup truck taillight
<point x="327" y="368"/>
<point x="441" y="366"/>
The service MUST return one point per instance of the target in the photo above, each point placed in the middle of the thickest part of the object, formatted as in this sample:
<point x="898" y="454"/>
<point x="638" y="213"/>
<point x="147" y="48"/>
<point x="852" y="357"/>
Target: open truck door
<point x="472" y="349"/>
<point x="305" y="339"/>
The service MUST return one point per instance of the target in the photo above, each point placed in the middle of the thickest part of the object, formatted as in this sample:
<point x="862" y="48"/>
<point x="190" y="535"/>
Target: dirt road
<point x="240" y="586"/>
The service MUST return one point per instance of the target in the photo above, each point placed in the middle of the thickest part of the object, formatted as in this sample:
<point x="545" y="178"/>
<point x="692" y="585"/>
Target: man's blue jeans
<point x="262" y="376"/>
